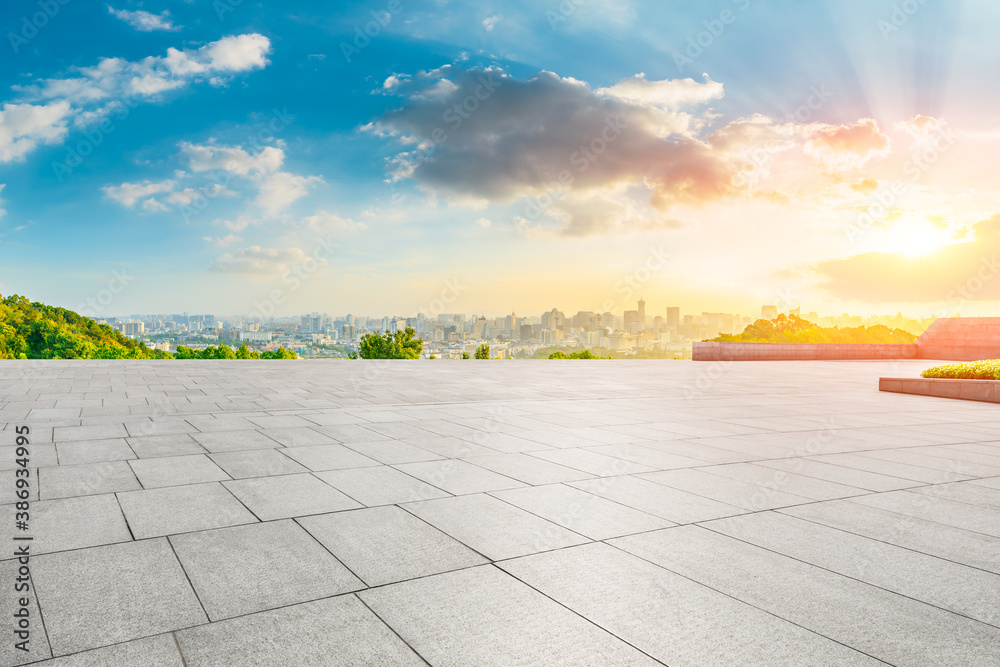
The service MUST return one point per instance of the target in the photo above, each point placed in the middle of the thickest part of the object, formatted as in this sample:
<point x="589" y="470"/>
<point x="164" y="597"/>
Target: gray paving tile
<point x="922" y="535"/>
<point x="458" y="477"/>
<point x="492" y="527"/>
<point x="963" y="492"/>
<point x="505" y="442"/>
<point x="392" y="451"/>
<point x="582" y="512"/>
<point x="450" y="447"/>
<point x="848" y="611"/>
<point x="482" y="616"/>
<point x="177" y="470"/>
<point x="592" y="462"/>
<point x="256" y="463"/>
<point x="340" y="632"/>
<point x="958" y="588"/>
<point x="232" y="441"/>
<point x="289" y="496"/>
<point x="948" y="512"/>
<point x="298" y="437"/>
<point x="838" y="474"/>
<point x="246" y="569"/>
<point x="657" y="459"/>
<point x="380" y="485"/>
<point x="43" y="454"/>
<point x="780" y="480"/>
<point x="105" y="595"/>
<point x="893" y="469"/>
<point x="407" y="547"/>
<point x="11" y="595"/>
<point x="694" y="625"/>
<point x="328" y="457"/>
<point x="85" y="480"/>
<point x="71" y="523"/>
<point x="730" y="491"/>
<point x="279" y="422"/>
<point x="96" y="432"/>
<point x="656" y="499"/>
<point x="178" y="444"/>
<point x="93" y="451"/>
<point x="182" y="509"/>
<point x="528" y="469"/>
<point x="916" y="458"/>
<point x="158" y="651"/>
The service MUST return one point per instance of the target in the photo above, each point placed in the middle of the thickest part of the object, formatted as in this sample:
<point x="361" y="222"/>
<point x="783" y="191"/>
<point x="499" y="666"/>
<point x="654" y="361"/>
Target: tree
<point x="483" y="351"/>
<point x="399" y="345"/>
<point x="244" y="352"/>
<point x="465" y="355"/>
<point x="583" y="354"/>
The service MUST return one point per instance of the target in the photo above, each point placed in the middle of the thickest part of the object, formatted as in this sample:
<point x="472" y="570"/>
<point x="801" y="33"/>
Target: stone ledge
<point x="970" y="390"/>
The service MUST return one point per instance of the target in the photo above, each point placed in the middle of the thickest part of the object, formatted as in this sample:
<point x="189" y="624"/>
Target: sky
<point x="402" y="156"/>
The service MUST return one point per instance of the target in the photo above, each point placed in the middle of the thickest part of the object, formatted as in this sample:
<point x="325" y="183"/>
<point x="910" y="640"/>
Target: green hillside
<point x="36" y="331"/>
<point x="794" y="329"/>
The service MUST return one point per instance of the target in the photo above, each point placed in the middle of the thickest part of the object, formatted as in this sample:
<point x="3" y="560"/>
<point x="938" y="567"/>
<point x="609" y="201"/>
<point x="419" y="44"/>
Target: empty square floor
<point x="498" y="513"/>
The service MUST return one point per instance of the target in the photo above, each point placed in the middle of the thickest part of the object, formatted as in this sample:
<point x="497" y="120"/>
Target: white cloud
<point x="127" y="194"/>
<point x="223" y="241"/>
<point x="187" y="196"/>
<point x="114" y="83"/>
<point x="666" y="94"/>
<point x="484" y="222"/>
<point x="24" y="126"/>
<point x="281" y="189"/>
<point x="144" y="21"/>
<point x="490" y="22"/>
<point x="117" y="78"/>
<point x="3" y="211"/>
<point x="234" y="159"/>
<point x="258" y="261"/>
<point x="323" y="222"/>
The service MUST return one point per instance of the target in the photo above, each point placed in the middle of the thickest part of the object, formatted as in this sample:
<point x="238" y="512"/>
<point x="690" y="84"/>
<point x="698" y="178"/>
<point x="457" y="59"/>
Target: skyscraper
<point x="642" y="312"/>
<point x="673" y="318"/>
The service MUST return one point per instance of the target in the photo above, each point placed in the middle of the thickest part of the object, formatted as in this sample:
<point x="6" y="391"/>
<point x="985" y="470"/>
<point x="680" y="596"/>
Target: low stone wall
<point x="708" y="351"/>
<point x="969" y="390"/>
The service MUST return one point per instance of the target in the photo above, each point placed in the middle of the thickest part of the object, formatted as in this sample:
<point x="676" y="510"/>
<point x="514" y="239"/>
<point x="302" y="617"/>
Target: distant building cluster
<point x="452" y="335"/>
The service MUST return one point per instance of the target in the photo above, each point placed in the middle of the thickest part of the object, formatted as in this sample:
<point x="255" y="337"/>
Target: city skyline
<point x="381" y="156"/>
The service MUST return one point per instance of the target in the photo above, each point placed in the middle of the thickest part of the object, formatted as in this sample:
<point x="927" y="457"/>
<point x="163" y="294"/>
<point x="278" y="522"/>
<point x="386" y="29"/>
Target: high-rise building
<point x="673" y="318"/>
<point x="642" y="312"/>
<point x="633" y="324"/>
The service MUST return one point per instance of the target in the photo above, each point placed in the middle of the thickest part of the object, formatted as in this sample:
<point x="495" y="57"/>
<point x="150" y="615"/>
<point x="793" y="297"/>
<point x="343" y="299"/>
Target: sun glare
<point x="916" y="237"/>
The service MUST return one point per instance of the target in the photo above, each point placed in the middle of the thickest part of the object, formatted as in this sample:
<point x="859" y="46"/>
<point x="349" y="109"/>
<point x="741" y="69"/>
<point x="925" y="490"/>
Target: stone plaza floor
<point x="473" y="513"/>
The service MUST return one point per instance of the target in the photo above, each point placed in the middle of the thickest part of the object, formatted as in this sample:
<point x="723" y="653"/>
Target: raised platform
<point x="972" y="390"/>
<point x="950" y="338"/>
<point x="499" y="512"/>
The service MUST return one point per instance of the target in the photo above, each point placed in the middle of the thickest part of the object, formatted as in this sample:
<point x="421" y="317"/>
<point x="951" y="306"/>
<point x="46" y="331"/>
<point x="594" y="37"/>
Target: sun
<point x="915" y="237"/>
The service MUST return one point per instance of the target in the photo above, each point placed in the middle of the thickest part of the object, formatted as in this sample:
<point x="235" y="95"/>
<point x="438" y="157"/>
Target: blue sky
<point x="229" y="144"/>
